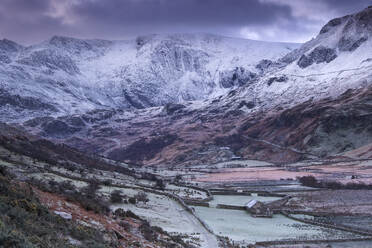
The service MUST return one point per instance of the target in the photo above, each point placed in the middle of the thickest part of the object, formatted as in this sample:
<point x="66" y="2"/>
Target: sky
<point x="32" y="21"/>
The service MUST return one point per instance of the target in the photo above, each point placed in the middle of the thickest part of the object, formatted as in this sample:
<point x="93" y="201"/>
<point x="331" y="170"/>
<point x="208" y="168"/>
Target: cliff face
<point x="76" y="76"/>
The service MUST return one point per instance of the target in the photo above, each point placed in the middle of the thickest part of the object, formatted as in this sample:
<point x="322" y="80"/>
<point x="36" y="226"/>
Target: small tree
<point x="309" y="181"/>
<point x="91" y="190"/>
<point x="132" y="200"/>
<point x="178" y="178"/>
<point x="107" y="182"/>
<point x="141" y="197"/>
<point x="116" y="196"/>
<point x="160" y="184"/>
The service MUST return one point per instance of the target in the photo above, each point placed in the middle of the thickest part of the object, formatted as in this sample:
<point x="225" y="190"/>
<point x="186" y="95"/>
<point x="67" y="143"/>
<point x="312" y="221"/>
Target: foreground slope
<point x="77" y="200"/>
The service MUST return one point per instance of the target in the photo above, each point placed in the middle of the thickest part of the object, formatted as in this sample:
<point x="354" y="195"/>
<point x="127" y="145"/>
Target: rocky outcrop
<point x="22" y="103"/>
<point x="319" y="55"/>
<point x="58" y="128"/>
<point x="350" y="44"/>
<point x="236" y="78"/>
<point x="333" y="23"/>
<point x="172" y="108"/>
<point x="279" y="79"/>
<point x="52" y="60"/>
<point x="249" y="104"/>
<point x="9" y="46"/>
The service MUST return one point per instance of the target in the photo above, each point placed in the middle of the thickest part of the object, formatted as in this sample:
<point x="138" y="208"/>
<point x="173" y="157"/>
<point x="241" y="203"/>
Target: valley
<point x="188" y="141"/>
<point x="205" y="205"/>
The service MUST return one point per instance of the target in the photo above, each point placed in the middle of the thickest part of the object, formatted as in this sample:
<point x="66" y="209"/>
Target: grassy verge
<point x="25" y="223"/>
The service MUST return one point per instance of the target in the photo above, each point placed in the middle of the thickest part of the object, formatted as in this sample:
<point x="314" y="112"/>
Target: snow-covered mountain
<point x="66" y="75"/>
<point x="338" y="59"/>
<point x="251" y="99"/>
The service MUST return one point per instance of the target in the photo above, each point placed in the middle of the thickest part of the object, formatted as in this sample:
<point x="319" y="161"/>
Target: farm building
<point x="258" y="209"/>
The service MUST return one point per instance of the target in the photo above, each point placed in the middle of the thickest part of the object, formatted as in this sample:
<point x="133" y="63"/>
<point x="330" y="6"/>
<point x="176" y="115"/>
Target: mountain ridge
<point x="148" y="71"/>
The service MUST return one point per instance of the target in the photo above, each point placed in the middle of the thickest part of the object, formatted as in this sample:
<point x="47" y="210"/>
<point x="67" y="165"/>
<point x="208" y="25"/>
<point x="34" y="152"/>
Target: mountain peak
<point x="358" y="23"/>
<point x="75" y="45"/>
<point x="63" y="41"/>
<point x="9" y="46"/>
<point x="343" y="34"/>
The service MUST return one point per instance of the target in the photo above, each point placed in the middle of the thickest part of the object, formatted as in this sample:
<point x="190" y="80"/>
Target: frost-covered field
<point x="355" y="244"/>
<point x="240" y="226"/>
<point x="53" y="177"/>
<point x="233" y="164"/>
<point x="239" y="200"/>
<point x="168" y="214"/>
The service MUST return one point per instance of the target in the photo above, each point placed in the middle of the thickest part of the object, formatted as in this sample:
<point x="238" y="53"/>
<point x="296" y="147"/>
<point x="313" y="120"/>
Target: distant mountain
<point x="250" y="99"/>
<point x="65" y="75"/>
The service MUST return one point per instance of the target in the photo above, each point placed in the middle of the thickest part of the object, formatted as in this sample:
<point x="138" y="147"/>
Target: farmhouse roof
<point x="251" y="203"/>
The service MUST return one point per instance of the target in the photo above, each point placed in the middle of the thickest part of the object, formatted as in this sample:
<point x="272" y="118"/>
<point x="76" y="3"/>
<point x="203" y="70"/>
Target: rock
<point x="305" y="61"/>
<point x="58" y="128"/>
<point x="9" y="46"/>
<point x="331" y="24"/>
<point x="142" y="40"/>
<point x="249" y="105"/>
<point x="52" y="60"/>
<point x="120" y="213"/>
<point x="64" y="215"/>
<point x="171" y="108"/>
<point x="118" y="234"/>
<point x="24" y="102"/>
<point x="264" y="65"/>
<point x="279" y="79"/>
<point x="5" y="59"/>
<point x="76" y="121"/>
<point x="37" y="121"/>
<point x="350" y="44"/>
<point x="237" y="77"/>
<point x="319" y="55"/>
<point x="98" y="115"/>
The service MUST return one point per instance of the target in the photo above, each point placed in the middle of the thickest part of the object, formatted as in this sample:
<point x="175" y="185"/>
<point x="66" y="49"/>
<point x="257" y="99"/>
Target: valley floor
<point x="204" y="205"/>
<point x="335" y="217"/>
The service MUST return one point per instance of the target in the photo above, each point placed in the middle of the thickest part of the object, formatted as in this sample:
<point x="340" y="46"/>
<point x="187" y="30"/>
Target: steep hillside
<point x="55" y="196"/>
<point x="186" y="134"/>
<point x="338" y="59"/>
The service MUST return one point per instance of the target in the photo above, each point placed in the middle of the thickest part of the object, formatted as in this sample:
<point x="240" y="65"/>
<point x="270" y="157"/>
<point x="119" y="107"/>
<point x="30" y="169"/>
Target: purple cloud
<point x="30" y="21"/>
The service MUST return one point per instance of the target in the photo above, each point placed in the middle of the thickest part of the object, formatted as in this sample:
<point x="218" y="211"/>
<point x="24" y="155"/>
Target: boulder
<point x="64" y="215"/>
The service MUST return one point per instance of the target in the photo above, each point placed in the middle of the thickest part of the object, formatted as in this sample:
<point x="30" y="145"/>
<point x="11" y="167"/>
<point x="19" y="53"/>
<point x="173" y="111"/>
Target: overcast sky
<point x="31" y="21"/>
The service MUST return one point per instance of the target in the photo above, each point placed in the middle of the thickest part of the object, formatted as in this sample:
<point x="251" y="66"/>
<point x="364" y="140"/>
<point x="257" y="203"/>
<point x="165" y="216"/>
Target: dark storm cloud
<point x="348" y="6"/>
<point x="29" y="21"/>
<point x="167" y="12"/>
<point x="123" y="18"/>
